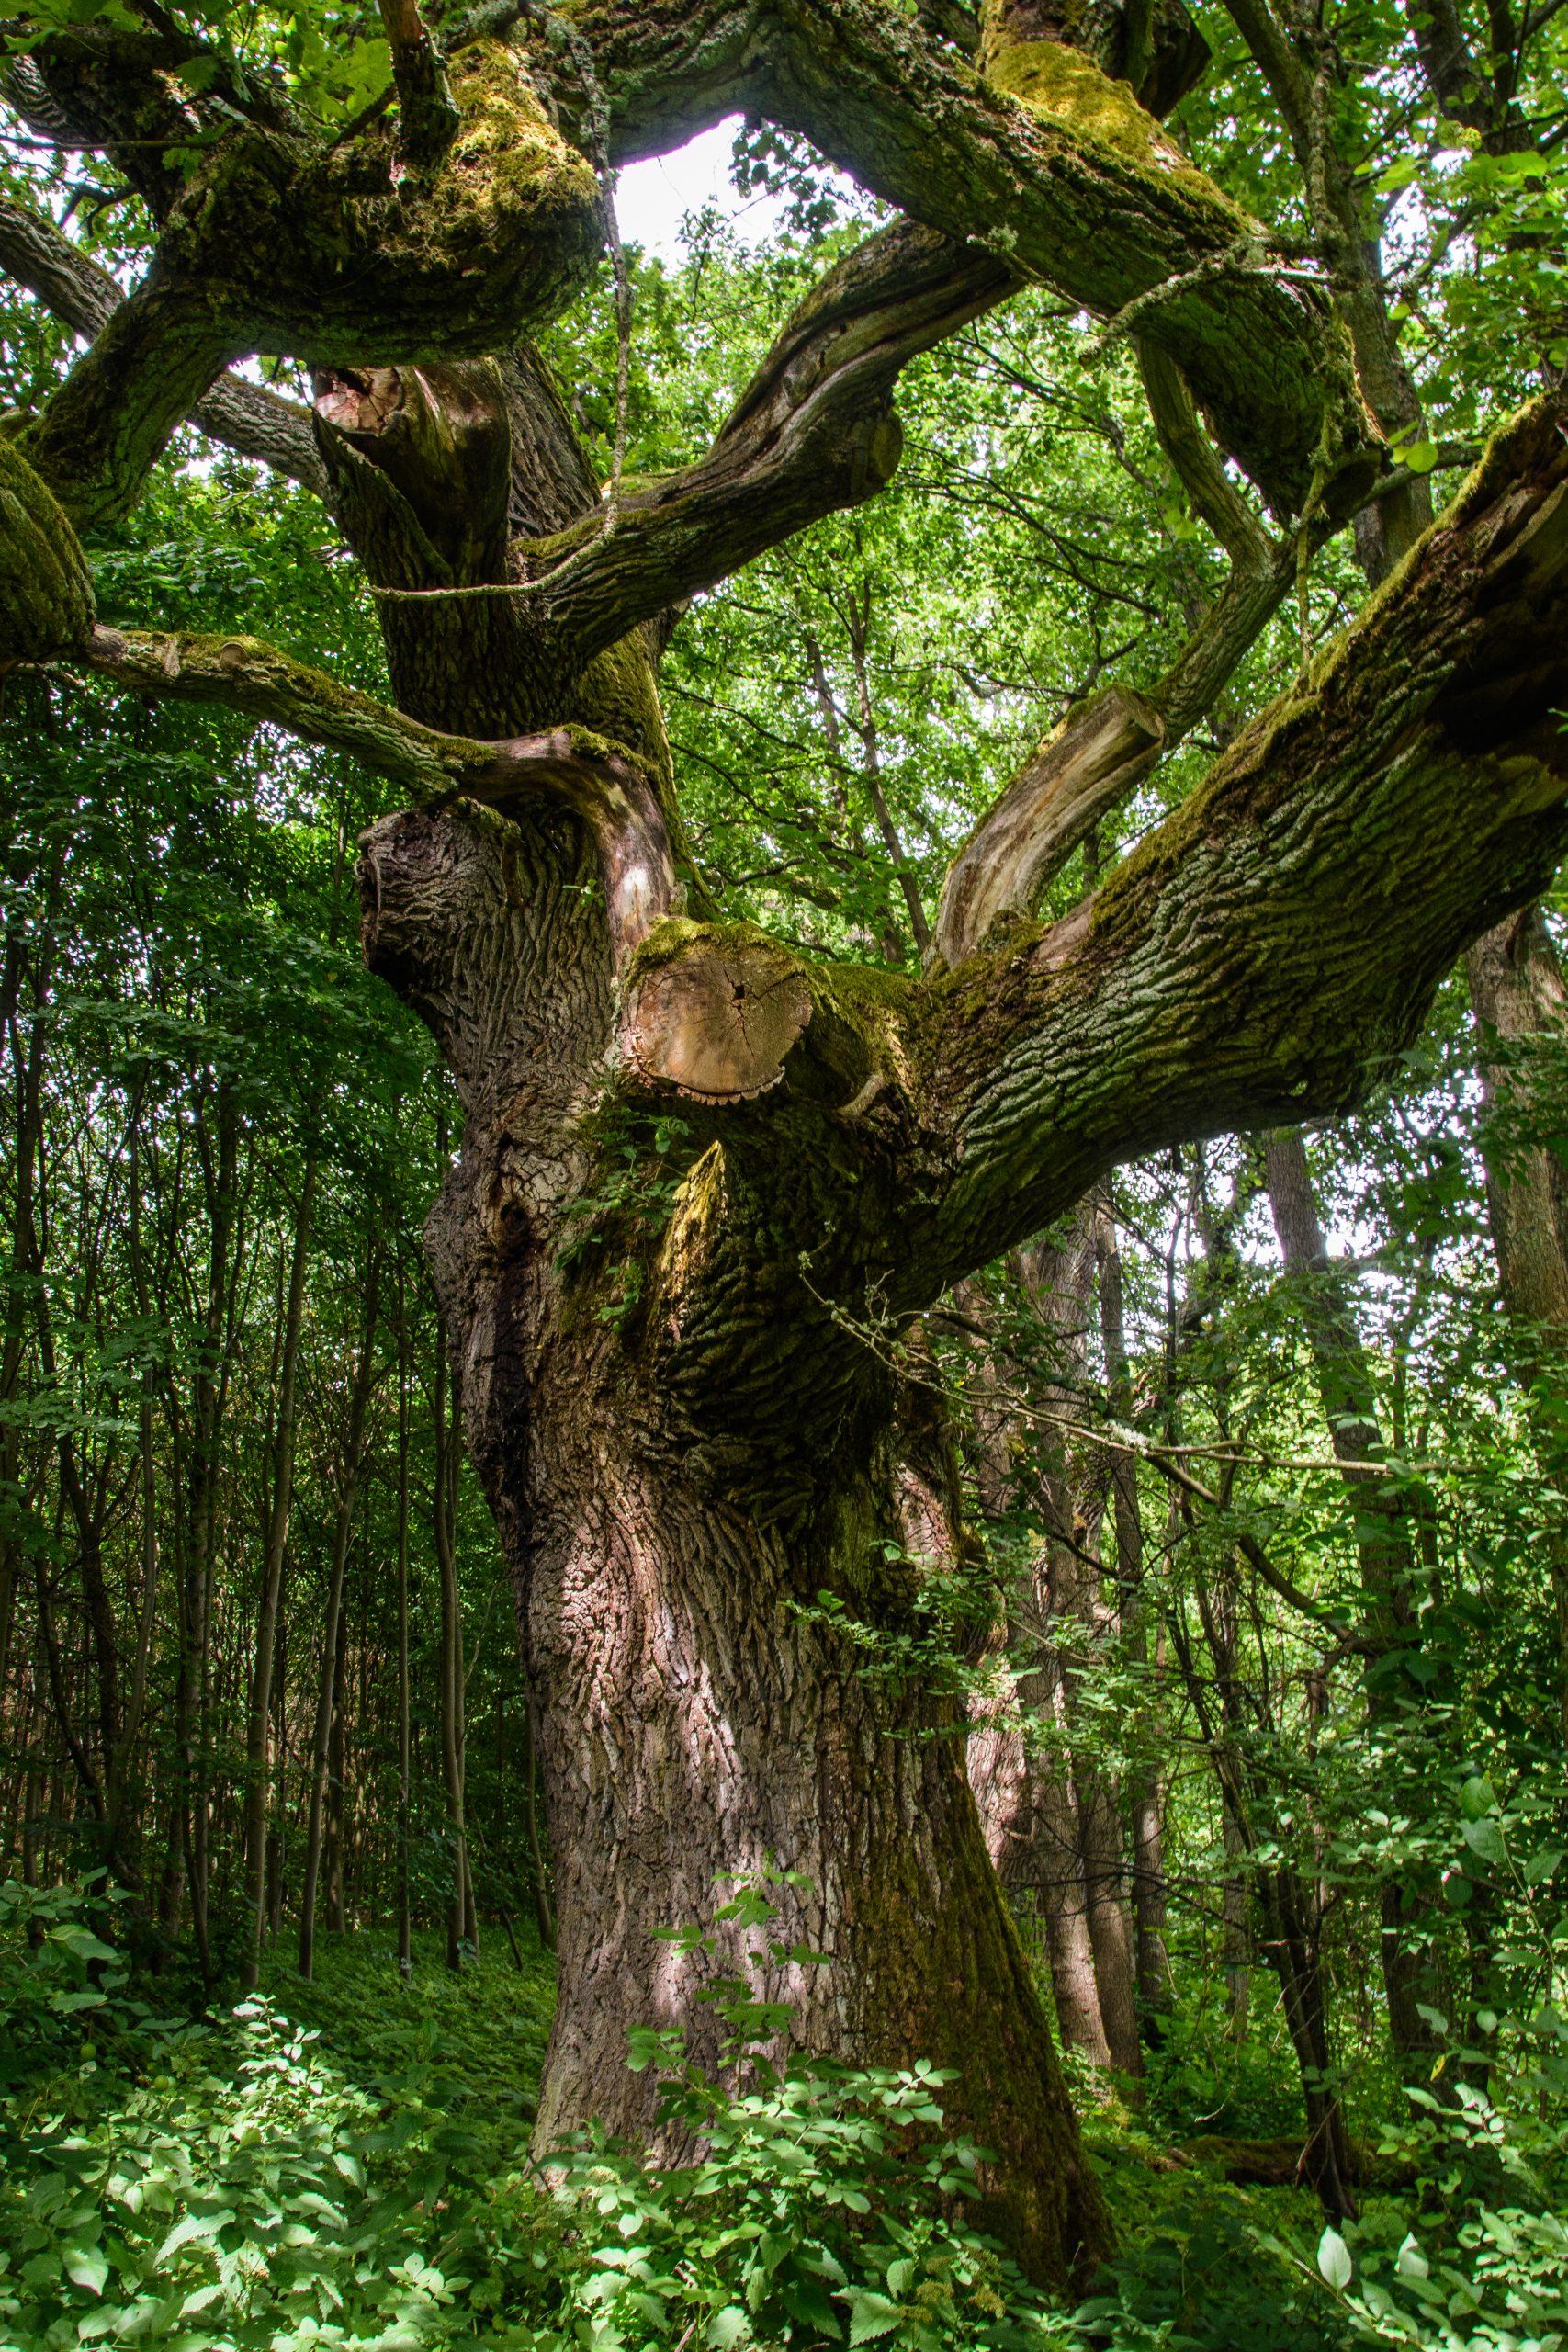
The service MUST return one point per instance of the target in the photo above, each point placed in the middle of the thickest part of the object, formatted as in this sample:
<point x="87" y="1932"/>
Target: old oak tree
<point x="685" y="1432"/>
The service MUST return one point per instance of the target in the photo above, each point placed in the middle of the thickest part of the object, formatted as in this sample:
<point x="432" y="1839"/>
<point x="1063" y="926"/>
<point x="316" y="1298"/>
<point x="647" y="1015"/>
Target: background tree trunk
<point x="280" y="1505"/>
<point x="1520" y="1002"/>
<point x="1382" y="1533"/>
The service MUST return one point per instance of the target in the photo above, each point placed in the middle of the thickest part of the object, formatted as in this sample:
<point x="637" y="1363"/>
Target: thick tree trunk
<point x="698" y="1716"/>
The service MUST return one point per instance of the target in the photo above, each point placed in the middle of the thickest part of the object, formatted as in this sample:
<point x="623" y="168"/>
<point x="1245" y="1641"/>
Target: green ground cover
<point x="345" y="2162"/>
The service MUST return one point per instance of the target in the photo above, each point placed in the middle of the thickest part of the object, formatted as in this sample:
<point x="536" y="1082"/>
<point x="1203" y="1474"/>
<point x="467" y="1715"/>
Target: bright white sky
<point x="652" y="198"/>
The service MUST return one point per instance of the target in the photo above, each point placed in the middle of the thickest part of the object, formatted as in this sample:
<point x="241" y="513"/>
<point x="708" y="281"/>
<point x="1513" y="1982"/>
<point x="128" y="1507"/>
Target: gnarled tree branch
<point x="244" y="417"/>
<point x="598" y="781"/>
<point x="1259" y="958"/>
<point x="1091" y="761"/>
<point x="1073" y="184"/>
<point x="1276" y="942"/>
<point x="279" y="243"/>
<point x="1106" y="746"/>
<point x="813" y="432"/>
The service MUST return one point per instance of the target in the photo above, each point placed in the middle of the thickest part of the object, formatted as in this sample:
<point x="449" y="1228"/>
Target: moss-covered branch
<point x="1262" y="957"/>
<point x="243" y="417"/>
<point x="1276" y="944"/>
<point x="279" y="242"/>
<point x="814" y="431"/>
<point x="1060" y="172"/>
<point x="46" y="596"/>
<point x="599" y="781"/>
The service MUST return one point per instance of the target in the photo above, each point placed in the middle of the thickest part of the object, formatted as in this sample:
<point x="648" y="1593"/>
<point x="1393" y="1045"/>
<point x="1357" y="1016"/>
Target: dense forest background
<point x="1265" y="1607"/>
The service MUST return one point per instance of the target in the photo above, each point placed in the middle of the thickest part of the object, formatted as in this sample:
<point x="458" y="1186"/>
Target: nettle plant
<point x="817" y="2203"/>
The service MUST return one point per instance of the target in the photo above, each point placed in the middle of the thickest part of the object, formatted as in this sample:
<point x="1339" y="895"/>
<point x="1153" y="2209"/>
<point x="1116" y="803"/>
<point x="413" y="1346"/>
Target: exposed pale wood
<point x="1079" y="772"/>
<point x="715" y="1023"/>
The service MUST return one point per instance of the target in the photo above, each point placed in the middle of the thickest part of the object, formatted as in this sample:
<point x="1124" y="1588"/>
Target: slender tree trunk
<point x="1023" y="1774"/>
<point x="1059" y="1878"/>
<point x="321" y="1747"/>
<point x="1520" y="1001"/>
<point x="1074" y="1494"/>
<point x="280" y="1509"/>
<point x="405" y="1740"/>
<point x="189" y="1827"/>
<point x="125" y="1811"/>
<point x="330" y="1697"/>
<point x="1292" y="1948"/>
<point x="1236" y="1938"/>
<point x="1383" y="1536"/>
<point x="451" y="1665"/>
<point x="27" y="963"/>
<point x="335" y="1860"/>
<point x="1289" y="1942"/>
<point x="1018" y="1752"/>
<point x="1144" y="1804"/>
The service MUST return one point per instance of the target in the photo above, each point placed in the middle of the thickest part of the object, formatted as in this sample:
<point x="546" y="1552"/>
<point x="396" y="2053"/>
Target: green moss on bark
<point x="1069" y="87"/>
<point x="46" y="593"/>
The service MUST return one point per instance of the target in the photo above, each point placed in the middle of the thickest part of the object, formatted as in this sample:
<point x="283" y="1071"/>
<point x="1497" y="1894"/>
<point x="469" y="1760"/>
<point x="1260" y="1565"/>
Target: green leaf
<point x="1334" y="2260"/>
<point x="871" y="2315"/>
<point x="805" y="2299"/>
<point x="87" y="2266"/>
<point x="1477" y="1797"/>
<point x="1484" y="1837"/>
<point x="82" y="1941"/>
<point x="197" y="2229"/>
<point x="731" y="2326"/>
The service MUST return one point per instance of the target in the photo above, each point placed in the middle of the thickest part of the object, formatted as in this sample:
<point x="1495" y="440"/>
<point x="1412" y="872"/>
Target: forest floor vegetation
<point x="345" y="2162"/>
